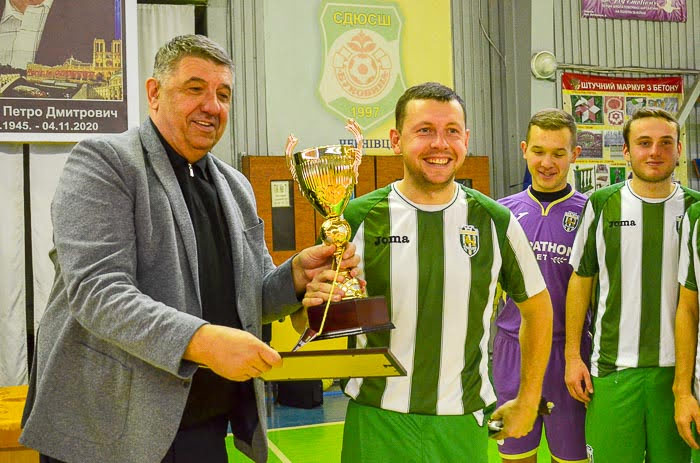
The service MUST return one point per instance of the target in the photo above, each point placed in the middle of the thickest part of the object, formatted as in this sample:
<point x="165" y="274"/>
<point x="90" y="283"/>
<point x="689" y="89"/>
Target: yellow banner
<point x="373" y="51"/>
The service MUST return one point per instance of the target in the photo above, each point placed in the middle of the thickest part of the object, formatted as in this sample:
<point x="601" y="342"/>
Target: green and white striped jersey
<point x="687" y="263"/>
<point x="438" y="267"/>
<point x="632" y="244"/>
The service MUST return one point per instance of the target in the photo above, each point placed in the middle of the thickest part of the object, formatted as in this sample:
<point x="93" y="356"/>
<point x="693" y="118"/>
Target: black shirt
<point x="210" y="395"/>
<point x="548" y="197"/>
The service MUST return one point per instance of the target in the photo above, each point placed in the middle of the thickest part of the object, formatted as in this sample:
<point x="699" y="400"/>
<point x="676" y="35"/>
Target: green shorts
<point x="631" y="415"/>
<point x="375" y="435"/>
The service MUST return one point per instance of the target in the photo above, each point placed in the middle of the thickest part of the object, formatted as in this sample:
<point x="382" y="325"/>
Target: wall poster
<point x="644" y="10"/>
<point x="64" y="72"/>
<point x="601" y="105"/>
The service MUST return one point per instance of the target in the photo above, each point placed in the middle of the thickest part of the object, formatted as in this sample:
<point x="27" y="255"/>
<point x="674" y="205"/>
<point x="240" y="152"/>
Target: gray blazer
<point x="108" y="381"/>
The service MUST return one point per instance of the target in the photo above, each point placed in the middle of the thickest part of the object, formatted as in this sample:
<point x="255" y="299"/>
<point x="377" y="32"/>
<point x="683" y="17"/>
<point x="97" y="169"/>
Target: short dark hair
<point x="426" y="91"/>
<point x="200" y="46"/>
<point x="643" y="113"/>
<point x="552" y="119"/>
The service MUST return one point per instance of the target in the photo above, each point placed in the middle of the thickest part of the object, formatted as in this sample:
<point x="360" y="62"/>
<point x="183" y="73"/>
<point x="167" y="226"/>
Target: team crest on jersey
<point x="679" y="221"/>
<point x="570" y="221"/>
<point x="469" y="239"/>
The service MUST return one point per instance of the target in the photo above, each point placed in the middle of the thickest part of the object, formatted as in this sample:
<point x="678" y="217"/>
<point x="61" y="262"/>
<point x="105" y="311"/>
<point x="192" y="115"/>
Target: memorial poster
<point x="63" y="71"/>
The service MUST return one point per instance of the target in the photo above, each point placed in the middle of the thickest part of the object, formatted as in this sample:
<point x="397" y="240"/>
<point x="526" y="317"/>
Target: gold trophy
<point x="327" y="176"/>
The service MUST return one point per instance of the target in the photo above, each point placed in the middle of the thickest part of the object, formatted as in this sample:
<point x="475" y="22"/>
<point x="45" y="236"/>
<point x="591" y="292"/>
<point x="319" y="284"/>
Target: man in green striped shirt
<point x="687" y="379"/>
<point x="628" y="238"/>
<point x="436" y="250"/>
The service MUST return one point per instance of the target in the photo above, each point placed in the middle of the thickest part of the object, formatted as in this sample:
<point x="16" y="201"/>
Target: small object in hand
<point x="494" y="426"/>
<point x="544" y="408"/>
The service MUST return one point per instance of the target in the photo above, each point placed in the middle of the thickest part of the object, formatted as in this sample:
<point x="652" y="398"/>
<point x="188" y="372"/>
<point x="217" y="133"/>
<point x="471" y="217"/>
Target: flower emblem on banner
<point x="361" y="74"/>
<point x="361" y="68"/>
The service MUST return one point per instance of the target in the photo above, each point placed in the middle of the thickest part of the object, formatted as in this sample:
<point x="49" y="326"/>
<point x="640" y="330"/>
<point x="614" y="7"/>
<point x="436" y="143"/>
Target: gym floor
<point x="315" y="435"/>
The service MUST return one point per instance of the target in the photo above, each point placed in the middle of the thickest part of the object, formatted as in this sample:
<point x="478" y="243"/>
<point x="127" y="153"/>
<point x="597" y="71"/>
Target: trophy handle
<point x="355" y="129"/>
<point x="289" y="152"/>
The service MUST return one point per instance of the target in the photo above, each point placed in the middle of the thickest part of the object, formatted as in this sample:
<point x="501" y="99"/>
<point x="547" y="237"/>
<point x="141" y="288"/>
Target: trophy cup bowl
<point x="327" y="176"/>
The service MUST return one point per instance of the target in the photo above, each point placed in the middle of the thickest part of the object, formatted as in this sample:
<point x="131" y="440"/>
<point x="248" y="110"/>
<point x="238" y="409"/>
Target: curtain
<point x="13" y="360"/>
<point x="156" y="25"/>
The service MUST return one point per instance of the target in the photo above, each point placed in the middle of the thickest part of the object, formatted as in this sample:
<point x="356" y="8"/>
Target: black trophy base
<point x="346" y="318"/>
<point x="350" y="317"/>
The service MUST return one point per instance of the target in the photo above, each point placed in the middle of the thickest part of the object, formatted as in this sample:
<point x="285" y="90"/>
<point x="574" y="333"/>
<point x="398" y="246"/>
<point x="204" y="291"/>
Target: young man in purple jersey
<point x="549" y="213"/>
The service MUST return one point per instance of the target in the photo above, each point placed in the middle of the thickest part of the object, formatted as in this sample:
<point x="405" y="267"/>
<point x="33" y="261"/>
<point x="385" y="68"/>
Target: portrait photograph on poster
<point x="63" y="69"/>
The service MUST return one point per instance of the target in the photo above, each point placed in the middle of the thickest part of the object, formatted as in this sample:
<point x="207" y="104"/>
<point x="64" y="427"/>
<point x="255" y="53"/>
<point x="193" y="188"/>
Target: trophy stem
<point x="338" y="254"/>
<point x="309" y="335"/>
<point x="330" y="296"/>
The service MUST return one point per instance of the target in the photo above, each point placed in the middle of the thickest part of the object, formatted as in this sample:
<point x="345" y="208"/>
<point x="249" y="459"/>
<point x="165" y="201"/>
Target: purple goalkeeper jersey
<point x="551" y="229"/>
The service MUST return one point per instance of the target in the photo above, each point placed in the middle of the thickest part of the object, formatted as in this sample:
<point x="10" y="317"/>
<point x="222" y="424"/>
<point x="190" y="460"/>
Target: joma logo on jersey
<point x="469" y="239"/>
<point x="391" y="239"/>
<point x="570" y="221"/>
<point x="622" y="223"/>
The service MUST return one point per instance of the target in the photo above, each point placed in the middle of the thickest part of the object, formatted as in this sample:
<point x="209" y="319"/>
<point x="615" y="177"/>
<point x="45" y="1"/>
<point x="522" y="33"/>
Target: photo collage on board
<point x="601" y="105"/>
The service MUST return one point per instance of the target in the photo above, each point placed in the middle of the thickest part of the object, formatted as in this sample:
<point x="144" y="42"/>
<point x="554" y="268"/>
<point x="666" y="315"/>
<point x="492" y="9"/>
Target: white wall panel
<point x="491" y="43"/>
<point x="13" y="361"/>
<point x="156" y="25"/>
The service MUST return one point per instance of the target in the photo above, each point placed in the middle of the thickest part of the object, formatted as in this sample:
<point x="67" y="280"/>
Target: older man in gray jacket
<point x="161" y="267"/>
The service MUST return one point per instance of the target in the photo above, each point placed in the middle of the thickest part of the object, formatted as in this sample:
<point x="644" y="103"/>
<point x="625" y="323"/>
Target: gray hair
<point x="199" y="46"/>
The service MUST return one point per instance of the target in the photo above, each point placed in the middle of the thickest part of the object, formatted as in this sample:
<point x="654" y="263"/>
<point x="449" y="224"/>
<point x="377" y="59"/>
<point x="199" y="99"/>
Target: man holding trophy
<point x="149" y="346"/>
<point x="436" y="251"/>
